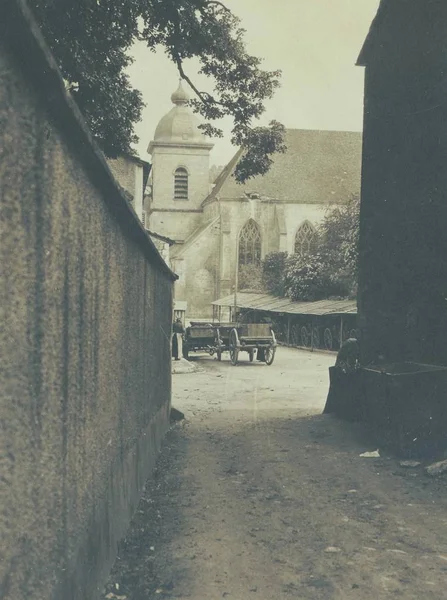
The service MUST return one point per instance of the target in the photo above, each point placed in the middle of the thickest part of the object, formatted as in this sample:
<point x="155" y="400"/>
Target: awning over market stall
<point x="268" y="303"/>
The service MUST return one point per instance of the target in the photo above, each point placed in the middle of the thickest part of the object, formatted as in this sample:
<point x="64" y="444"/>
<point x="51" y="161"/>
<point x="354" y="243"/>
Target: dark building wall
<point x="85" y="364"/>
<point x="403" y="241"/>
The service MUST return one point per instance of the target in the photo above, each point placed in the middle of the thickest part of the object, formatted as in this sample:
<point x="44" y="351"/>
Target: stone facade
<point x="85" y="366"/>
<point x="319" y="169"/>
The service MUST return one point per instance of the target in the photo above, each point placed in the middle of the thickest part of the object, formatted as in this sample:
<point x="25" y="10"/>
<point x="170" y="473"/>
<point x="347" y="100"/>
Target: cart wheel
<point x="269" y="355"/>
<point x="234" y="350"/>
<point x="185" y="351"/>
<point x="305" y="337"/>
<point x="327" y="339"/>
<point x="251" y="355"/>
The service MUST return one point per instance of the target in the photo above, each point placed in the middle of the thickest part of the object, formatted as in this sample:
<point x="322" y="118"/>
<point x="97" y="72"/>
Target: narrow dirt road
<point x="259" y="496"/>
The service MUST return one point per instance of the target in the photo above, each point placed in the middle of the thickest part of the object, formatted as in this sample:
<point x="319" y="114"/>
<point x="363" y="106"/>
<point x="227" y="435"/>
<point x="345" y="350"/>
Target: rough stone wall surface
<point x="86" y="372"/>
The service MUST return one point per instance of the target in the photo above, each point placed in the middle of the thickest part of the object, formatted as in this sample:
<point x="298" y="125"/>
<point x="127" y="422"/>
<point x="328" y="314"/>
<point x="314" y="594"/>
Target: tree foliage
<point x="308" y="278"/>
<point x="273" y="269"/>
<point x="328" y="271"/>
<point x="91" y="39"/>
<point x="339" y="235"/>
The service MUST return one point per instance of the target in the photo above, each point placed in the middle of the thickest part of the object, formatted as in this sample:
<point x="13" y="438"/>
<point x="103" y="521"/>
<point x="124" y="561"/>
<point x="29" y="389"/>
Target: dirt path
<point x="257" y="495"/>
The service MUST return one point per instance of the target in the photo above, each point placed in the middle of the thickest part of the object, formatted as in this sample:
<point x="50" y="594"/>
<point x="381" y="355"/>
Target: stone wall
<point x="85" y="365"/>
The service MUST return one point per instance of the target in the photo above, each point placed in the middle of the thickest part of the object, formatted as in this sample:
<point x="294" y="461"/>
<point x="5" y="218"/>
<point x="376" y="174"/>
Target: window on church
<point x="306" y="239"/>
<point x="250" y="244"/>
<point x="181" y="184"/>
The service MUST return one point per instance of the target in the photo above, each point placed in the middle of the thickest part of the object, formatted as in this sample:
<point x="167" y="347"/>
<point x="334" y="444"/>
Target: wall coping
<point x="21" y="34"/>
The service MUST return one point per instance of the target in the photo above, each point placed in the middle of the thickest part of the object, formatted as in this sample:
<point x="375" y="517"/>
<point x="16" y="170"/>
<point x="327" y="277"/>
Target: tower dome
<point x="180" y="96"/>
<point x="180" y="126"/>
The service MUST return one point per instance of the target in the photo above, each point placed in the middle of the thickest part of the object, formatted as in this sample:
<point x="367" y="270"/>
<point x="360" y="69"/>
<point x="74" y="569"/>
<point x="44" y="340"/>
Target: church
<point x="217" y="231"/>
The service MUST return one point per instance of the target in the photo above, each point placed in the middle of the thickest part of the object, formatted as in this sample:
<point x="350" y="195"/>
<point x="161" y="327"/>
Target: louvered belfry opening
<point x="306" y="239"/>
<point x="250" y="244"/>
<point x="181" y="184"/>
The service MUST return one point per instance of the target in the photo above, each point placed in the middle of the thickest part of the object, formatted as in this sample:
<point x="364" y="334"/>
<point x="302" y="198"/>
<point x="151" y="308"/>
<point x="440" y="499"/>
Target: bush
<point x="273" y="271"/>
<point x="307" y="279"/>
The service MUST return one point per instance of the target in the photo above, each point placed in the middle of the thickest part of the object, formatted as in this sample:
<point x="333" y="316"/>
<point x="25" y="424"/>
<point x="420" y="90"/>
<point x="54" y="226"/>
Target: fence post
<point x="311" y="335"/>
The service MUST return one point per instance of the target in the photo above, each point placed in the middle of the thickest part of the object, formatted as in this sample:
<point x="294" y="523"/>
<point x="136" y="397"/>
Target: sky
<point x="315" y="43"/>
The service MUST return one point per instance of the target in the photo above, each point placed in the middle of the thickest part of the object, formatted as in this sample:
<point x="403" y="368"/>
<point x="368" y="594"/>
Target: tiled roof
<point x="318" y="167"/>
<point x="269" y="303"/>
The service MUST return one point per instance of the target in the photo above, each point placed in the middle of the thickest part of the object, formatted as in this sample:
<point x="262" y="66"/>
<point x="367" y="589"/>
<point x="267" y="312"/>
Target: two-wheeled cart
<point x="254" y="338"/>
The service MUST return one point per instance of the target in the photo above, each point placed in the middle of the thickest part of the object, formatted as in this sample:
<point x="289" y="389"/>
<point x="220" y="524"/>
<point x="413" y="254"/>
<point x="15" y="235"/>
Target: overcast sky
<point x="314" y="42"/>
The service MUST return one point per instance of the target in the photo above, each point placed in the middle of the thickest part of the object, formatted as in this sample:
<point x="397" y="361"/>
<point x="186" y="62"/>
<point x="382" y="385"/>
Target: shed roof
<point x="268" y="303"/>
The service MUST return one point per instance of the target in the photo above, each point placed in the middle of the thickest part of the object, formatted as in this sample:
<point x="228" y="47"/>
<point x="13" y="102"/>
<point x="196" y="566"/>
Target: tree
<point x="328" y="271"/>
<point x="90" y="40"/>
<point x="339" y="235"/>
<point x="307" y="278"/>
<point x="273" y="269"/>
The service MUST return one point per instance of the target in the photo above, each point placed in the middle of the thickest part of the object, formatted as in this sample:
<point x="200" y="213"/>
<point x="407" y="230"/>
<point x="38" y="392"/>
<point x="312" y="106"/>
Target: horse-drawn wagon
<point x="254" y="338"/>
<point x="257" y="339"/>
<point x="199" y="337"/>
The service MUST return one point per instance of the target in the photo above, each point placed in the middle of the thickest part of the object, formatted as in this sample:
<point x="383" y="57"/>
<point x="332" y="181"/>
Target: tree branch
<point x="210" y="2"/>
<point x="203" y="96"/>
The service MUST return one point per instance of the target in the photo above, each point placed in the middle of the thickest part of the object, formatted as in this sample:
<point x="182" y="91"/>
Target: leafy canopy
<point x="91" y="38"/>
<point x="329" y="270"/>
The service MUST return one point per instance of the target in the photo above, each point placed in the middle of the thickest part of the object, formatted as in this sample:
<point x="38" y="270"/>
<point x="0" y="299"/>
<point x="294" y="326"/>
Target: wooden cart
<point x="199" y="337"/>
<point x="253" y="338"/>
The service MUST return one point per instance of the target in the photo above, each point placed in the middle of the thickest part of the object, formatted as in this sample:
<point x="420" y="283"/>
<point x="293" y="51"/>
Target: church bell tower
<point x="180" y="171"/>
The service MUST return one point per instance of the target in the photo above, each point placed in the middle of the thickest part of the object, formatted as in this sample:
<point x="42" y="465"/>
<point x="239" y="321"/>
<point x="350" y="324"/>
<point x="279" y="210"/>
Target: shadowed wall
<point x="403" y="220"/>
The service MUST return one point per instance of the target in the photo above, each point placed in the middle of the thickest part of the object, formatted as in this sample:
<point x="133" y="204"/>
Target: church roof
<point x="318" y="167"/>
<point x="179" y="126"/>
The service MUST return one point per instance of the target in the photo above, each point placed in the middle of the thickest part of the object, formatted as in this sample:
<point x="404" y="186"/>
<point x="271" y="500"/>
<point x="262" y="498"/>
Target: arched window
<point x="306" y="239"/>
<point x="250" y="244"/>
<point x="181" y="184"/>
